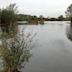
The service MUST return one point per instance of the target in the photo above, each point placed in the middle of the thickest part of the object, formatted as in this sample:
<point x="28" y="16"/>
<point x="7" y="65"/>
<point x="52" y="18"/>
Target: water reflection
<point x="62" y="46"/>
<point x="69" y="32"/>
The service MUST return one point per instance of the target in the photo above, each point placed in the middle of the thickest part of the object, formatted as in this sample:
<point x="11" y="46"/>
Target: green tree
<point x="8" y="19"/>
<point x="69" y="13"/>
<point x="60" y="18"/>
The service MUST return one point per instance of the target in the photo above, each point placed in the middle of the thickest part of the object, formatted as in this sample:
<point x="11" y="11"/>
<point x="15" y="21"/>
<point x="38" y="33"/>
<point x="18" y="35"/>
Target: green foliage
<point x="52" y="19"/>
<point x="60" y="18"/>
<point x="30" y="19"/>
<point x="69" y="11"/>
<point x="22" y="17"/>
<point x="8" y="18"/>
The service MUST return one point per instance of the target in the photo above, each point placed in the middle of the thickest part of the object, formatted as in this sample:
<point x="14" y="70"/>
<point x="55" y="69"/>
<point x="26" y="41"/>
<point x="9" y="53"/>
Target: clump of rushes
<point x="15" y="52"/>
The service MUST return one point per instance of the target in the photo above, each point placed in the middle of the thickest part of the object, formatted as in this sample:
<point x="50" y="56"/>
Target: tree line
<point x="31" y="19"/>
<point x="23" y="17"/>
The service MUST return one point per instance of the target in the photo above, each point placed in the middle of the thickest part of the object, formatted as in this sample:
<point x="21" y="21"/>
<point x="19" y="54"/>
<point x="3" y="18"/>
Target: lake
<point x="52" y="51"/>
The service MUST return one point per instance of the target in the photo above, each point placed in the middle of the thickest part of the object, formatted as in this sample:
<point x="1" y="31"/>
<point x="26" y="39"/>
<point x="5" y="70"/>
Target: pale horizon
<point x="47" y="8"/>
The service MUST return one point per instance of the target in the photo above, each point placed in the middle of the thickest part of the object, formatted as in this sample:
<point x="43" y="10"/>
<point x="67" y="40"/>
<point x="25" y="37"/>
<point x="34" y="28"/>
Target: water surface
<point x="53" y="51"/>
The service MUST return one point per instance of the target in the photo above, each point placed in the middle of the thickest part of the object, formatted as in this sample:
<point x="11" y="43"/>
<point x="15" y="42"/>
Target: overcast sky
<point x="51" y="8"/>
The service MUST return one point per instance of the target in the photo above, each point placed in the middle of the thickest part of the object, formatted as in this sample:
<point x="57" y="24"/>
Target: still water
<point x="52" y="51"/>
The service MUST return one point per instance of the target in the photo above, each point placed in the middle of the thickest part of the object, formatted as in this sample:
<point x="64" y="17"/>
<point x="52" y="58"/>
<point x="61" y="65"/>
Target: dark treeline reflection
<point x="69" y="32"/>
